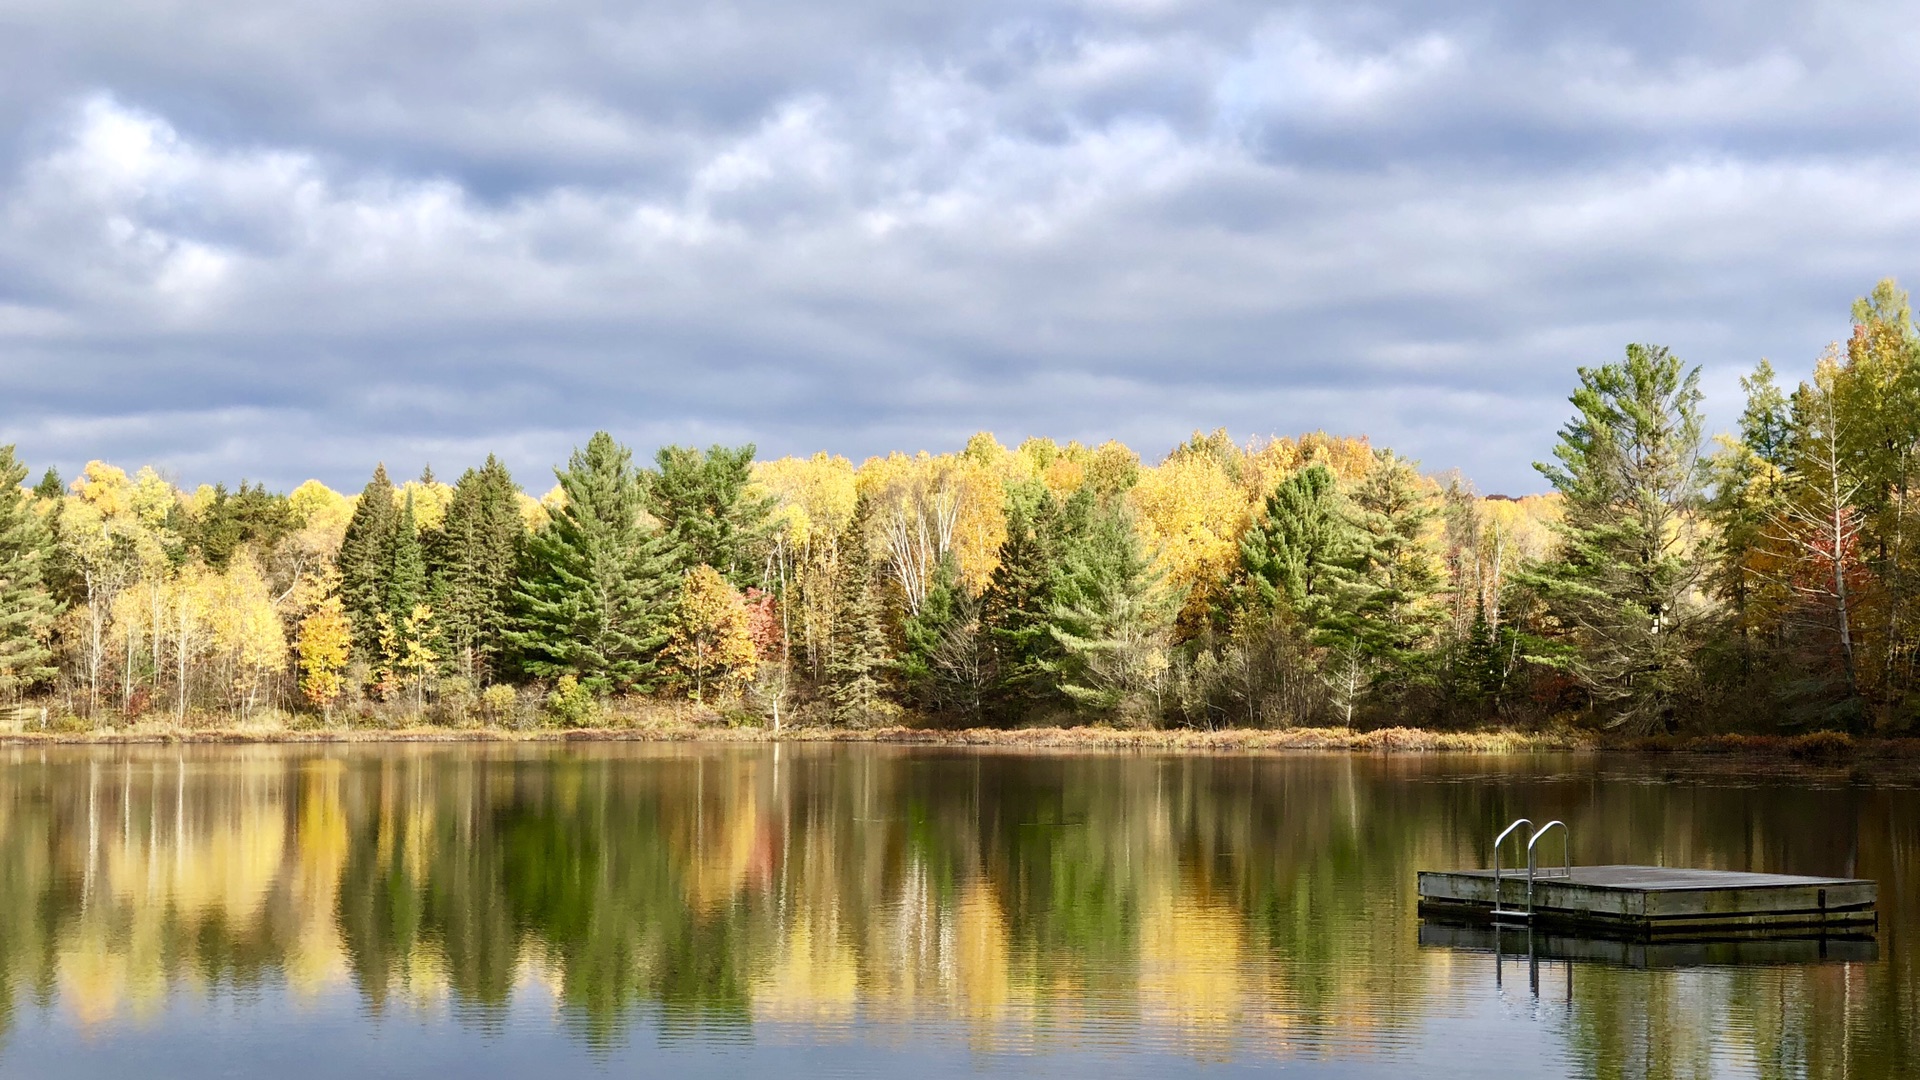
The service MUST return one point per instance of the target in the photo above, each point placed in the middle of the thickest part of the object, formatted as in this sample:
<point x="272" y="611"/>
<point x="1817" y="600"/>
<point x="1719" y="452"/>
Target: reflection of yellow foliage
<point x="1192" y="964"/>
<point x="981" y="953"/>
<point x="321" y="844"/>
<point x="721" y="854"/>
<point x="815" y="976"/>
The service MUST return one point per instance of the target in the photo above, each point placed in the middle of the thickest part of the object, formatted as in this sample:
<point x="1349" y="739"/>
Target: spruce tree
<point x="472" y="567"/>
<point x="595" y="587"/>
<point x="1017" y="607"/>
<point x="27" y="605"/>
<point x="708" y="511"/>
<point x="405" y="580"/>
<point x="364" y="559"/>
<point x="860" y="654"/>
<point x="1303" y="555"/>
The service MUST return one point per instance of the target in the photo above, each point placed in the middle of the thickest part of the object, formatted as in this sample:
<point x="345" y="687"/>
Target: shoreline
<point x="1829" y="747"/>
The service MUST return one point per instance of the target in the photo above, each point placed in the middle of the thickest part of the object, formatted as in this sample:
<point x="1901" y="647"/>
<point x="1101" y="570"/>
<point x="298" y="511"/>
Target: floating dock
<point x="1646" y="954"/>
<point x="1653" y="902"/>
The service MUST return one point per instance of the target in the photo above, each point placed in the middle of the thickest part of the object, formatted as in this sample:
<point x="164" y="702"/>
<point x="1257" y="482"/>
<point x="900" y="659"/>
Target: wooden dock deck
<point x="1658" y="901"/>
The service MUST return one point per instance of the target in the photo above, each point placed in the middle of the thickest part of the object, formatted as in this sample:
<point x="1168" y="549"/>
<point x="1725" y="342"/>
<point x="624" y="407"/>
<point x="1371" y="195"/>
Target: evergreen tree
<point x="1112" y="619"/>
<point x="27" y="606"/>
<point x="364" y="559"/>
<point x="1303" y="555"/>
<point x="860" y="653"/>
<point x="708" y="512"/>
<point x="50" y="486"/>
<point x="945" y="661"/>
<point x="1399" y="575"/>
<point x="1017" y="607"/>
<point x="472" y="565"/>
<point x="595" y="587"/>
<point x="1625" y="580"/>
<point x="405" y="579"/>
<point x="1749" y="485"/>
<point x="221" y="525"/>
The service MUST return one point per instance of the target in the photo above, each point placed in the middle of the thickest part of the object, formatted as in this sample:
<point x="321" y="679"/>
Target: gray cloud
<point x="281" y="241"/>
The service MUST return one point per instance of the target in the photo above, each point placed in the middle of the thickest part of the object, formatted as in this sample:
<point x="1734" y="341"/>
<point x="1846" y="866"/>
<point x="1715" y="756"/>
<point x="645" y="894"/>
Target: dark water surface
<point x="641" y="910"/>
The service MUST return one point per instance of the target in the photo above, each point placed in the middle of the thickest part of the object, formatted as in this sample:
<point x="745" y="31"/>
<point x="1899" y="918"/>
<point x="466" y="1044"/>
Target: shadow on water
<point x="1196" y="912"/>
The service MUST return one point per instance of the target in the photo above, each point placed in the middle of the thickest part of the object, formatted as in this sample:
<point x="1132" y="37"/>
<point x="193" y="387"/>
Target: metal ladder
<point x="1566" y="851"/>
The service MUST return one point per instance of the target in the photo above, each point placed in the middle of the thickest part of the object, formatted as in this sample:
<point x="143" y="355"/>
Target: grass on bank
<point x="537" y="719"/>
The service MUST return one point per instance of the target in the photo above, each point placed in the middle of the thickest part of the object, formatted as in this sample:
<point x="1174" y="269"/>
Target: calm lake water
<point x="519" y="911"/>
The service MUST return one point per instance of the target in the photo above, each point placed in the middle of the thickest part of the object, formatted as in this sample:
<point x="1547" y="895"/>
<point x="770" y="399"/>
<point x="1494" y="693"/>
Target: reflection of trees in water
<point x="1223" y="904"/>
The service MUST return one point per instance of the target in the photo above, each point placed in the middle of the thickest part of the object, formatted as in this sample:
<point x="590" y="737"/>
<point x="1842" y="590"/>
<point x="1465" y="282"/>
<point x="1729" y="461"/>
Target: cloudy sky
<point x="285" y="240"/>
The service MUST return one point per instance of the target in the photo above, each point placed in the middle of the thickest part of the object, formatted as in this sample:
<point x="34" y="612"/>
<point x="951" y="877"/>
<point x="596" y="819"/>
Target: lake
<point x="501" y="910"/>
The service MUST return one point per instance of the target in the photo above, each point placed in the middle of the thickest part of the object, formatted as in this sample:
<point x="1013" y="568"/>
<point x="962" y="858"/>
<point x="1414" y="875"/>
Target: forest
<point x="1765" y="580"/>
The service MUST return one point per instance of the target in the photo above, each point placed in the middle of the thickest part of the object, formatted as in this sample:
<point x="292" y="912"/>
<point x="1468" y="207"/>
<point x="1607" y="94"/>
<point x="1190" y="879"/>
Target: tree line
<point x="1766" y="580"/>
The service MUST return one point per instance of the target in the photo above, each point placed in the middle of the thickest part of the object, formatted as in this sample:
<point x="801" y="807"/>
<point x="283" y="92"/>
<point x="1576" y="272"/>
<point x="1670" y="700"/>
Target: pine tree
<point x="860" y="654"/>
<point x="1398" y="574"/>
<point x="364" y="560"/>
<point x="1112" y="619"/>
<point x="595" y="588"/>
<point x="707" y="510"/>
<point x="27" y="606"/>
<point x="472" y="566"/>
<point x="1630" y="563"/>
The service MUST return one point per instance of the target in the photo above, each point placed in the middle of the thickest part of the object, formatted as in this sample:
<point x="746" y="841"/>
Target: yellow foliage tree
<point x="325" y="642"/>
<point x="813" y="496"/>
<point x="1192" y="513"/>
<point x="430" y="501"/>
<point x="246" y="630"/>
<point x="712" y="641"/>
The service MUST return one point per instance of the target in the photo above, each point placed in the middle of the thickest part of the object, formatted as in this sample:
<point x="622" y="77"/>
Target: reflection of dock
<point x="1523" y="941"/>
<point x="1654" y="902"/>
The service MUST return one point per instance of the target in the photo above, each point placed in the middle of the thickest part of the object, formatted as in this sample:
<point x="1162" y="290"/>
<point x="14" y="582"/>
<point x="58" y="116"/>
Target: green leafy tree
<point x="1625" y="581"/>
<point x="27" y="606"/>
<point x="595" y="589"/>
<point x="708" y="512"/>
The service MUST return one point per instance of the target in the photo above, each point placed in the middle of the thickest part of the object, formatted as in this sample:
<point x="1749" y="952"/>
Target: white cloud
<point x="890" y="226"/>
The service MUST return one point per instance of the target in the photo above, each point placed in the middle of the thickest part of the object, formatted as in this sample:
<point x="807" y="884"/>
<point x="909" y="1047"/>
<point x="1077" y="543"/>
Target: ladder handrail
<point x="1497" y="841"/>
<point x="1566" y="855"/>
